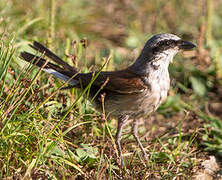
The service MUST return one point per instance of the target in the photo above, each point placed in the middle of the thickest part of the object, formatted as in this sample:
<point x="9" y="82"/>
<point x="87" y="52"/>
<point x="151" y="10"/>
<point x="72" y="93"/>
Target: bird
<point x="131" y="93"/>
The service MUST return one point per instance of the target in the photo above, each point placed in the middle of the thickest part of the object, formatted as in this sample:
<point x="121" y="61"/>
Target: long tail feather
<point x="50" y="67"/>
<point x="39" y="47"/>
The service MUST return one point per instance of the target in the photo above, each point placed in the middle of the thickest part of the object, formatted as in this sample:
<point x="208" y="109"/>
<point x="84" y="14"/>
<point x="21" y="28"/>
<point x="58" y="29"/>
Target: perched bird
<point x="131" y="93"/>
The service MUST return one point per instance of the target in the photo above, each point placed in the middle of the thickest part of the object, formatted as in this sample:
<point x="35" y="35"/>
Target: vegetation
<point x="49" y="133"/>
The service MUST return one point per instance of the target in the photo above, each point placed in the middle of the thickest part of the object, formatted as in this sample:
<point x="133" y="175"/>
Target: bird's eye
<point x="165" y="43"/>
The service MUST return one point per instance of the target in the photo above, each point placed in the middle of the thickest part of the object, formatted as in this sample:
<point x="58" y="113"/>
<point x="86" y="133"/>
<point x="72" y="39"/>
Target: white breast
<point x="160" y="84"/>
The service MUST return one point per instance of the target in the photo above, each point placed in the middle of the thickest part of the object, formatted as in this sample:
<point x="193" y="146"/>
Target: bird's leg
<point x="135" y="134"/>
<point x="121" y="122"/>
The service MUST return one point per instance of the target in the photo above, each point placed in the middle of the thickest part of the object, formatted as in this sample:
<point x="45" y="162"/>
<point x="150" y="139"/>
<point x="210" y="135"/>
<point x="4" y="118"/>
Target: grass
<point x="51" y="133"/>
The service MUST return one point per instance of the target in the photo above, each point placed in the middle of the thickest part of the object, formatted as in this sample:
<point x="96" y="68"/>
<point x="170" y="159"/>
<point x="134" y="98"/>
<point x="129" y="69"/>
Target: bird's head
<point x="164" y="47"/>
<point x="158" y="52"/>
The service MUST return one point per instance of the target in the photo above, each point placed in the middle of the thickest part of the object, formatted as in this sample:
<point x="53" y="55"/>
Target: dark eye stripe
<point x="164" y="45"/>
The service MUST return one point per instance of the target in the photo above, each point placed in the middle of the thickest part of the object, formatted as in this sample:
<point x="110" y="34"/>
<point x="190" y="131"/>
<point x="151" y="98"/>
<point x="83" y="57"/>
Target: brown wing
<point x="120" y="81"/>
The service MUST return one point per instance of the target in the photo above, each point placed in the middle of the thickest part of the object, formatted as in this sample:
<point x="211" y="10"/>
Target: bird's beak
<point x="186" y="45"/>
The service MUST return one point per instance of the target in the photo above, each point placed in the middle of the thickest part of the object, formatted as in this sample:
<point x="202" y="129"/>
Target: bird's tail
<point x="65" y="72"/>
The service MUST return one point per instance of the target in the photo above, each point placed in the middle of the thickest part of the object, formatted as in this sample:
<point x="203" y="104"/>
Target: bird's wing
<point x="116" y="81"/>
